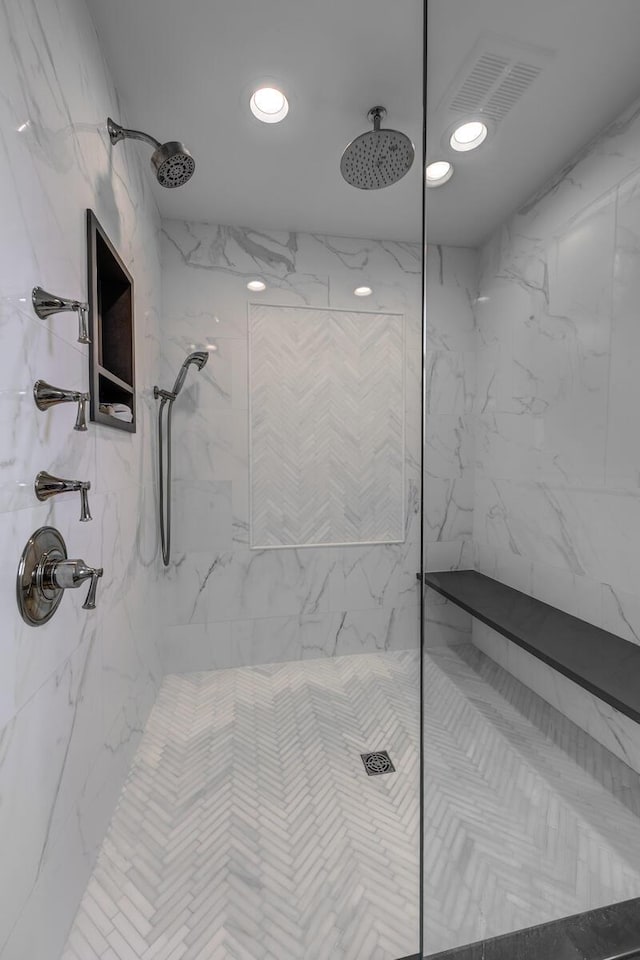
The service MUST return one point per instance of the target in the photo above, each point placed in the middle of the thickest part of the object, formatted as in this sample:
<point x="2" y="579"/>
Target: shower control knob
<point x="45" y="572"/>
<point x="69" y="574"/>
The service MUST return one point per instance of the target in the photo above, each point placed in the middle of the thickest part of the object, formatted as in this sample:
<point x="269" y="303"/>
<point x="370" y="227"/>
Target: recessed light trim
<point x="256" y="286"/>
<point x="438" y="173"/>
<point x="269" y="104"/>
<point x="363" y="291"/>
<point x="468" y="136"/>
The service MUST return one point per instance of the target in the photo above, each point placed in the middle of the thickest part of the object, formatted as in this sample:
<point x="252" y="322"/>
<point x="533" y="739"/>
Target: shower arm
<point x="118" y="133"/>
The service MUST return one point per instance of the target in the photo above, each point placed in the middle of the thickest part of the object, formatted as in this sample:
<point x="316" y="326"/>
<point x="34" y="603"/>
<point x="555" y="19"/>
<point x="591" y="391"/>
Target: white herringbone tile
<point x="327" y="426"/>
<point x="527" y="818"/>
<point x="248" y="830"/>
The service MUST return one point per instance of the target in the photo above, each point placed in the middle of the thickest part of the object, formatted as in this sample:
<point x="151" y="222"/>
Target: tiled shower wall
<point x="75" y="693"/>
<point x="227" y="605"/>
<point x="451" y="289"/>
<point x="557" y="478"/>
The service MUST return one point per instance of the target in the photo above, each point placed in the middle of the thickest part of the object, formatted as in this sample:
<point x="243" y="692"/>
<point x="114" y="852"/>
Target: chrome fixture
<point x="47" y="486"/>
<point x="378" y="157"/>
<point x="46" y="304"/>
<point x="46" y="395"/>
<point x="44" y="573"/>
<point x="167" y="398"/>
<point x="171" y="162"/>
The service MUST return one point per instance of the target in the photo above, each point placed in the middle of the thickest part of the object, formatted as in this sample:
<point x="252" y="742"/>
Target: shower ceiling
<point x="188" y="71"/>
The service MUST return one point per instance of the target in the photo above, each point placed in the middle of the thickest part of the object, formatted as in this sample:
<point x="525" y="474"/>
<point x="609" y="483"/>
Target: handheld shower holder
<point x="46" y="304"/>
<point x="46" y="395"/>
<point x="47" y="486"/>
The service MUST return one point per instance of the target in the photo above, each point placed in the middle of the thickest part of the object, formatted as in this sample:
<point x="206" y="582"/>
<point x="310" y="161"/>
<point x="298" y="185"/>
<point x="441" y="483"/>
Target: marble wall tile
<point x="623" y="442"/>
<point x="615" y="731"/>
<point x="74" y="692"/>
<point x="557" y="483"/>
<point x="445" y="623"/>
<point x="232" y="643"/>
<point x="280" y="603"/>
<point x="450" y="372"/>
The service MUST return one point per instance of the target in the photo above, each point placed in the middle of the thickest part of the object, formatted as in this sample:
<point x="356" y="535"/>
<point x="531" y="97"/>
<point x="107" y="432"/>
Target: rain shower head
<point x="171" y="162"/>
<point x="378" y="157"/>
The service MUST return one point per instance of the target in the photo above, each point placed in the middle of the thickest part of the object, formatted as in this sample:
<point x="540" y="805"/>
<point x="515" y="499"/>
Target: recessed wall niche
<point x="112" y="375"/>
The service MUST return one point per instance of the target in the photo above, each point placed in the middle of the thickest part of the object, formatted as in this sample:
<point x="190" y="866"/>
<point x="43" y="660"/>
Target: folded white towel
<point x="120" y="411"/>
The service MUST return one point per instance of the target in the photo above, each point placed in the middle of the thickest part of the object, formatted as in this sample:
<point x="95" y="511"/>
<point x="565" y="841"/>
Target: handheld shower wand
<point x="167" y="399"/>
<point x="171" y="162"/>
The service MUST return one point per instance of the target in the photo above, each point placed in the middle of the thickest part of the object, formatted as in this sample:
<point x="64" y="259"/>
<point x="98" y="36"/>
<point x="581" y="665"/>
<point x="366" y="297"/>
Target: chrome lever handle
<point x="81" y="416"/>
<point x="90" y="602"/>
<point x="45" y="304"/>
<point x="70" y="574"/>
<point x="85" y="513"/>
<point x="46" y="395"/>
<point x="45" y="572"/>
<point x="47" y="486"/>
<point x="83" y="325"/>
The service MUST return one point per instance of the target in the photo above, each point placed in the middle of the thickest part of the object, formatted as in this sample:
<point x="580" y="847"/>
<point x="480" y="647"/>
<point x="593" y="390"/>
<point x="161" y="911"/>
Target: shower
<point x="167" y="398"/>
<point x="377" y="158"/>
<point x="171" y="162"/>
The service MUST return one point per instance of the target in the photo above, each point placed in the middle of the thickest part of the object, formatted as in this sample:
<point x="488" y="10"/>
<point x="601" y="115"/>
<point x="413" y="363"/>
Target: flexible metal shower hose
<point x="165" y="509"/>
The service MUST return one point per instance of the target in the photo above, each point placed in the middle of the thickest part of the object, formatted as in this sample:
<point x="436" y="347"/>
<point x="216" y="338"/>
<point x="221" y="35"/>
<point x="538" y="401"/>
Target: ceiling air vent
<point x="494" y="78"/>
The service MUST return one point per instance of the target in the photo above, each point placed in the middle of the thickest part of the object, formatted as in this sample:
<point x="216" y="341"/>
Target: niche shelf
<point x="112" y="371"/>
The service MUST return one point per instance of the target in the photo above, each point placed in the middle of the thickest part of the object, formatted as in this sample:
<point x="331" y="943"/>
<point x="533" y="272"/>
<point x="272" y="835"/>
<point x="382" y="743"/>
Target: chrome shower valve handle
<point x="47" y="486"/>
<point x="46" y="395"/>
<point x="46" y="304"/>
<point x="70" y="574"/>
<point x="45" y="572"/>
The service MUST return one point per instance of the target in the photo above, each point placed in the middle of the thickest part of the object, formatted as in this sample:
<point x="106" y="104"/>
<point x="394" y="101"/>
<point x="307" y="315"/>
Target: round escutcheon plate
<point x="37" y="598"/>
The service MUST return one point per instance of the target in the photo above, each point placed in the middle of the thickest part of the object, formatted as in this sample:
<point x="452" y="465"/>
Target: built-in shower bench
<point x="601" y="662"/>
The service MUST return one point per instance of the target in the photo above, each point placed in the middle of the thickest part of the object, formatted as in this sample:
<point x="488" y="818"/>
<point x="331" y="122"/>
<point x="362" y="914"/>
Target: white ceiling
<point x="593" y="75"/>
<point x="185" y="71"/>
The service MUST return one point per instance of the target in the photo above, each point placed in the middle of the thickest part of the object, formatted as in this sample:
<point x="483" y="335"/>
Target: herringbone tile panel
<point x="327" y="426"/>
<point x="248" y="830"/>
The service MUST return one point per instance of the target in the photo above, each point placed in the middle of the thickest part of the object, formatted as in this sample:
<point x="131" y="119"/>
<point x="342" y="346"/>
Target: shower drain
<point x="377" y="763"/>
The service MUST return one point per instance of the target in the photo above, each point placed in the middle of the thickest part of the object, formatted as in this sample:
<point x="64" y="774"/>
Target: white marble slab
<point x="75" y="692"/>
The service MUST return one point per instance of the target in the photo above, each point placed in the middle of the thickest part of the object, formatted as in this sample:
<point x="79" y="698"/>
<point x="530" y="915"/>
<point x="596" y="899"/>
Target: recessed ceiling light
<point x="363" y="291"/>
<point x="468" y="136"/>
<point x="269" y="105"/>
<point x="439" y="172"/>
<point x="256" y="285"/>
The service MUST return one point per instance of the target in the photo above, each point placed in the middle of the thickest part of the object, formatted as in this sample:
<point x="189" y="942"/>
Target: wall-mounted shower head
<point x="171" y="162"/>
<point x="378" y="157"/>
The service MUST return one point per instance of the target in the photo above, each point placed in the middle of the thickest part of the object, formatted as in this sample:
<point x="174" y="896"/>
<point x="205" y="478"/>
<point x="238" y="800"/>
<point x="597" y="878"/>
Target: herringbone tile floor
<point x="248" y="830"/>
<point x="527" y="818"/>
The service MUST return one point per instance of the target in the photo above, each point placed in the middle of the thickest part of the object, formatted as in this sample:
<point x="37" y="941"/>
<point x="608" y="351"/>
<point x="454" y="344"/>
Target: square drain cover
<point x="377" y="763"/>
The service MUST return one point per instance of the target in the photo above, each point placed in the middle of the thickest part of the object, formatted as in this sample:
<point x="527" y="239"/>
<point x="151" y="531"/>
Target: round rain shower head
<point x="378" y="157"/>
<point x="172" y="164"/>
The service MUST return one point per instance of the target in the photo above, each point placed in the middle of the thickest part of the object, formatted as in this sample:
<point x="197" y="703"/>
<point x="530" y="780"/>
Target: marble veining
<point x="74" y="694"/>
<point x="225" y="603"/>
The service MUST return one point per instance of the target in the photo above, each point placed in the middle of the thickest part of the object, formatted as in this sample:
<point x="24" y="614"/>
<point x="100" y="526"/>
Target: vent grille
<point x="494" y="85"/>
